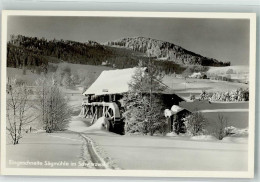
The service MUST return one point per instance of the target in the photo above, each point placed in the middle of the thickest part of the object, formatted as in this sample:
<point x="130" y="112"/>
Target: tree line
<point x="33" y="52"/>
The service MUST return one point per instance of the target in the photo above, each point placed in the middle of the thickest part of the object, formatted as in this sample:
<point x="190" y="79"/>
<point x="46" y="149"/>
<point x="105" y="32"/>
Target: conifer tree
<point x="143" y="105"/>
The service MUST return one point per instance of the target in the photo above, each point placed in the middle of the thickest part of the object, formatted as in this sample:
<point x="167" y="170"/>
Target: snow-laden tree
<point x="195" y="123"/>
<point x="17" y="109"/>
<point x="53" y="105"/>
<point x="144" y="109"/>
<point x="227" y="96"/>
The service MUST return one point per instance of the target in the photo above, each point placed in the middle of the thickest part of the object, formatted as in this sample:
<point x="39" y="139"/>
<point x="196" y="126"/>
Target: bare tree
<point x="17" y="110"/>
<point x="54" y="108"/>
<point x="220" y="127"/>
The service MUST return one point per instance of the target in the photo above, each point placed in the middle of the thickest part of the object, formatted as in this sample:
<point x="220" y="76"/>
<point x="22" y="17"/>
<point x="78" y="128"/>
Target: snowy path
<point x="77" y="125"/>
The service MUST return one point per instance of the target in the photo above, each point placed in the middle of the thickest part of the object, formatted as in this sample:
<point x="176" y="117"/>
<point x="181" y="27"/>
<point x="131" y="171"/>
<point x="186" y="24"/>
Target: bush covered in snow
<point x="195" y="124"/>
<point x="204" y="95"/>
<point x="229" y="96"/>
<point x="236" y="132"/>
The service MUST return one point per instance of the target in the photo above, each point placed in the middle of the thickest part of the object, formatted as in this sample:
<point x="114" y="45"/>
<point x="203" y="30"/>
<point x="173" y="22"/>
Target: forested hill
<point x="34" y="53"/>
<point x="32" y="49"/>
<point x="163" y="50"/>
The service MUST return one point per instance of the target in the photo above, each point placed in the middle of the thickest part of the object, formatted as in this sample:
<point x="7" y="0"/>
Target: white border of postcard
<point x="132" y="173"/>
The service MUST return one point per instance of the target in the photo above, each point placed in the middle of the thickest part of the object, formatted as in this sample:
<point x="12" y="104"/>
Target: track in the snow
<point x="94" y="156"/>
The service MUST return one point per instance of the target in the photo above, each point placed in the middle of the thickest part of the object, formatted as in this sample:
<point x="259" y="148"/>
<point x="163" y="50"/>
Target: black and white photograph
<point x="128" y="94"/>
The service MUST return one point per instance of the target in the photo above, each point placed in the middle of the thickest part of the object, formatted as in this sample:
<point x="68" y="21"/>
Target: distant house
<point x="199" y="75"/>
<point x="105" y="63"/>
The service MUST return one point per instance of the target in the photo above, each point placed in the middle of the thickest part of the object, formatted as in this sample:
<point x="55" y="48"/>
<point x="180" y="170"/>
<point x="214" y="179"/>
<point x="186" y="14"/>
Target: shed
<point x="175" y="118"/>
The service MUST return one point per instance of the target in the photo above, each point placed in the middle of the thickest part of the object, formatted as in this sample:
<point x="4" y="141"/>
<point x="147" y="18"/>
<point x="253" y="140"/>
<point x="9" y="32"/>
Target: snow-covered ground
<point x="172" y="152"/>
<point x="169" y="153"/>
<point x="48" y="149"/>
<point x="224" y="110"/>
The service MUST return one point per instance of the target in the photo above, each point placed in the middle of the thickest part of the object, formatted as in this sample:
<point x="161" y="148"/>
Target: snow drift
<point x="98" y="125"/>
<point x="204" y="138"/>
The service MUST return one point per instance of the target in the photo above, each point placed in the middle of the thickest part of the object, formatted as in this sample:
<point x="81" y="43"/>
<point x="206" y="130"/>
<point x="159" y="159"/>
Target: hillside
<point x="74" y="52"/>
<point x="36" y="53"/>
<point x="162" y="50"/>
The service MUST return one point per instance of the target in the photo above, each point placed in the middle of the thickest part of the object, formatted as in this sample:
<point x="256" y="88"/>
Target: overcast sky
<point x="223" y="39"/>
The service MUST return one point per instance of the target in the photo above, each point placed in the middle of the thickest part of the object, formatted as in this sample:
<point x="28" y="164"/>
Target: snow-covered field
<point x="240" y="73"/>
<point x="242" y="69"/>
<point x="171" y="152"/>
<point x="48" y="149"/>
<point x="193" y="85"/>
<point x="185" y="87"/>
<point x="236" y="113"/>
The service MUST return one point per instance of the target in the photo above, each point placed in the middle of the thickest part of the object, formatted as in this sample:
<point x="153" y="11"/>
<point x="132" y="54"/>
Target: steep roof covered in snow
<point x="117" y="82"/>
<point x="175" y="109"/>
<point x="111" y="82"/>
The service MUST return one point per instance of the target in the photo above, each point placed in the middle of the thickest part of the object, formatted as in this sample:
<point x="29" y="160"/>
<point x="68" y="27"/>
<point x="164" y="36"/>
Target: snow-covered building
<point x="112" y="84"/>
<point x="103" y="97"/>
